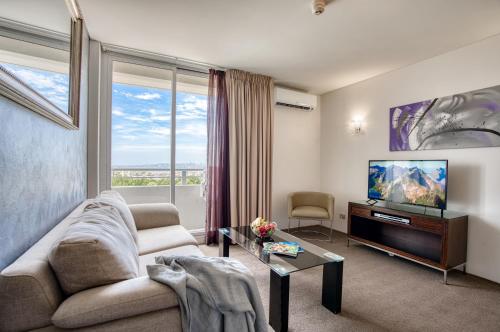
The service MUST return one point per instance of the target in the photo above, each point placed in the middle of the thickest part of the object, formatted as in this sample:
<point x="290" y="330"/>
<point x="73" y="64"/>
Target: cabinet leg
<point x="445" y="277"/>
<point x="464" y="270"/>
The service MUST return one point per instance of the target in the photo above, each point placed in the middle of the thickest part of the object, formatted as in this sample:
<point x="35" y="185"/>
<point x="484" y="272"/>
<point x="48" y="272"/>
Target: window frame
<point x="111" y="53"/>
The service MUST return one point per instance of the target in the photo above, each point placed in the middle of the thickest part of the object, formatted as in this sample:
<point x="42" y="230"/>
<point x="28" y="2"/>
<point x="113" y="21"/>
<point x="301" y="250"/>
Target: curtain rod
<point x="182" y="63"/>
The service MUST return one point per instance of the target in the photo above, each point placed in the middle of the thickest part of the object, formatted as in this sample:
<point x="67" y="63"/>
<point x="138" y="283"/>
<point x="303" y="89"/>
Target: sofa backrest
<point x="29" y="290"/>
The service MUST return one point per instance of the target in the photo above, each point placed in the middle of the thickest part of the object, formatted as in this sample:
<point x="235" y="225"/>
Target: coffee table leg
<point x="278" y="301"/>
<point x="224" y="245"/>
<point x="331" y="296"/>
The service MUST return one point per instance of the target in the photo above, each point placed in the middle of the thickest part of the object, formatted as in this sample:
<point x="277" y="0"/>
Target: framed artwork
<point x="465" y="120"/>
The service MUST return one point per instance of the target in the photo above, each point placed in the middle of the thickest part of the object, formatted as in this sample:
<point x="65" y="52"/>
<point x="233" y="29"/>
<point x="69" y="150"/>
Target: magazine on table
<point x="283" y="248"/>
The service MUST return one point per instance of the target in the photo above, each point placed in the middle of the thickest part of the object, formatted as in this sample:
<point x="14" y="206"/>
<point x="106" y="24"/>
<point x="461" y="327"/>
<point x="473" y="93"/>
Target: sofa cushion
<point x="112" y="198"/>
<point x="119" y="300"/>
<point x="161" y="238"/>
<point x="97" y="249"/>
<point x="112" y="194"/>
<point x="152" y="215"/>
<point x="310" y="212"/>
<point x="149" y="259"/>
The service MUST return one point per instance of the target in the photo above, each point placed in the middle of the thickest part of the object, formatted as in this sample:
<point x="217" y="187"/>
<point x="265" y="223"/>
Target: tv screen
<point x="418" y="182"/>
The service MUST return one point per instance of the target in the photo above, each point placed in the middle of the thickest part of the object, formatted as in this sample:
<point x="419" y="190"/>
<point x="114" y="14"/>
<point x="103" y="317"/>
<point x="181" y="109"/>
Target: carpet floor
<point x="382" y="293"/>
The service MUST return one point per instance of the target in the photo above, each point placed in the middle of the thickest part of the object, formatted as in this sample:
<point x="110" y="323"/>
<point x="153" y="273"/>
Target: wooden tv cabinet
<point x="438" y="241"/>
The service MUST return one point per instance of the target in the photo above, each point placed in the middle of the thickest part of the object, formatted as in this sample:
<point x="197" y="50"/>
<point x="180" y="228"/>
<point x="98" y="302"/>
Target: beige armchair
<point x="307" y="205"/>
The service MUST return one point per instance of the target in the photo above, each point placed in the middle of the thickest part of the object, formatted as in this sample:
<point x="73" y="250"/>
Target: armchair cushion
<point x="312" y="212"/>
<point x="152" y="215"/>
<point x="162" y="238"/>
<point x="119" y="300"/>
<point x="310" y="199"/>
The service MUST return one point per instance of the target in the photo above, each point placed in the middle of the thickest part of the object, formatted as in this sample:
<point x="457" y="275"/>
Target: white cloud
<point x="192" y="108"/>
<point x="138" y="118"/>
<point x="160" y="131"/>
<point x="117" y="111"/>
<point x="193" y="129"/>
<point x="160" y="118"/>
<point x="148" y="96"/>
<point x="129" y="137"/>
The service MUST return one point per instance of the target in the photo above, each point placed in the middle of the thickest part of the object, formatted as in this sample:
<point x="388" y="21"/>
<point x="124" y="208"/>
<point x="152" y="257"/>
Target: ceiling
<point x="352" y="41"/>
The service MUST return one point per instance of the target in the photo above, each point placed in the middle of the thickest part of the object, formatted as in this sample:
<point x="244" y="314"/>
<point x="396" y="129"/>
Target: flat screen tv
<point x="417" y="182"/>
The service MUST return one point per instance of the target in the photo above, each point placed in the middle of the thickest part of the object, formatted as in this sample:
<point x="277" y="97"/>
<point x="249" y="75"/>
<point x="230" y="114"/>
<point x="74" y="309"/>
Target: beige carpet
<point x="382" y="293"/>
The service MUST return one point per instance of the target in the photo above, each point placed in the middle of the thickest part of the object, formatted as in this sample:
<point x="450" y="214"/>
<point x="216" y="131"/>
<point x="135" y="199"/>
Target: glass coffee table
<point x="281" y="266"/>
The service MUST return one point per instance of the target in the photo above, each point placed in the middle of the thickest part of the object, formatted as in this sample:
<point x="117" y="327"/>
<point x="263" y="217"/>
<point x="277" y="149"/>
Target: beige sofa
<point x="32" y="299"/>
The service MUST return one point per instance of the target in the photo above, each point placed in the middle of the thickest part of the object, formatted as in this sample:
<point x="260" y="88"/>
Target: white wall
<point x="474" y="174"/>
<point x="296" y="157"/>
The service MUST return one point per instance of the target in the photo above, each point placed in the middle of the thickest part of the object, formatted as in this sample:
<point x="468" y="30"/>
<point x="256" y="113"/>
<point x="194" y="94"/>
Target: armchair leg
<point x="289" y="229"/>
<point x="331" y="230"/>
<point x="298" y="227"/>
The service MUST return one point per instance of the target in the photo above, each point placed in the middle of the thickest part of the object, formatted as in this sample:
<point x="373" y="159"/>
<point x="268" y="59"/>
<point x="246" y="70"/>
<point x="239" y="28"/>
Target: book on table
<point x="283" y="248"/>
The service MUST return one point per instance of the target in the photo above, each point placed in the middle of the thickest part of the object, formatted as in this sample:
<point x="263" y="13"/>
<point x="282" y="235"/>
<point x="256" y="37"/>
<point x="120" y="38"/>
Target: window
<point x="158" y="152"/>
<point x="191" y="148"/>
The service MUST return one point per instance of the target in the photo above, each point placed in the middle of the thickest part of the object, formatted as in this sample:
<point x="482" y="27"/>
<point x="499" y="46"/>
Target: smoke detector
<point x="318" y="6"/>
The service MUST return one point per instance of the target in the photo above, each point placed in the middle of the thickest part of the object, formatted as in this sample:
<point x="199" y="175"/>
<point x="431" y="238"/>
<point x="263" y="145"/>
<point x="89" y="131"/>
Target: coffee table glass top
<point x="281" y="264"/>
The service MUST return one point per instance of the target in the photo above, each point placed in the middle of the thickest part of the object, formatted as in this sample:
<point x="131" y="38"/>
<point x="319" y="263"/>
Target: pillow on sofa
<point x="97" y="249"/>
<point x="113" y="198"/>
<point x="112" y="194"/>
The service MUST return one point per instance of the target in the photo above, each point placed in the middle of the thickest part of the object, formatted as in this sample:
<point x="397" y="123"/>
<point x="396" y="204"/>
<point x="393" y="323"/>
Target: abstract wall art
<point x="465" y="120"/>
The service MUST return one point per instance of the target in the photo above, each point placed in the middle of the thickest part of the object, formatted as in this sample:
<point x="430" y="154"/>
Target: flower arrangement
<point x="262" y="228"/>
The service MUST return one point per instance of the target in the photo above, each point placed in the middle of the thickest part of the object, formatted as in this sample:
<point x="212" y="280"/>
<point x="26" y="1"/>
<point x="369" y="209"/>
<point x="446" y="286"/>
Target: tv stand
<point x="437" y="239"/>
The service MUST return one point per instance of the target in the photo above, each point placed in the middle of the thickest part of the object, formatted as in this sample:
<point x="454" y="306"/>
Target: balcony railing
<point x="141" y="185"/>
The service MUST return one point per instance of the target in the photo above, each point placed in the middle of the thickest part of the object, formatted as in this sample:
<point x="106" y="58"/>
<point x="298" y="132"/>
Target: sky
<point x="428" y="166"/>
<point x="53" y="86"/>
<point x="141" y="126"/>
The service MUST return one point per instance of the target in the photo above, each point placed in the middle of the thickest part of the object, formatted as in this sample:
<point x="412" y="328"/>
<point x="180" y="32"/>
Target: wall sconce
<point x="357" y="126"/>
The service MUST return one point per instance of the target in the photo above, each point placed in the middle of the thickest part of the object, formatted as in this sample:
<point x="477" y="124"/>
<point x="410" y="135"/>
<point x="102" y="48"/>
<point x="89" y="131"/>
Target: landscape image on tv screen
<point x="409" y="181"/>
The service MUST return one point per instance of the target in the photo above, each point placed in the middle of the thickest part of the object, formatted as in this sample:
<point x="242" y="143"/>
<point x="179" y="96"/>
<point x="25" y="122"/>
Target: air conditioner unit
<point x="293" y="99"/>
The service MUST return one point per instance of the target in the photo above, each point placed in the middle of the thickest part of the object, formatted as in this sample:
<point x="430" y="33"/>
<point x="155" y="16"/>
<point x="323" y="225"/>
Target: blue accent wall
<point x="43" y="171"/>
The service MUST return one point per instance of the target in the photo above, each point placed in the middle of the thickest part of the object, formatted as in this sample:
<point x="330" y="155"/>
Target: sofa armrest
<point x="115" y="301"/>
<point x="152" y="215"/>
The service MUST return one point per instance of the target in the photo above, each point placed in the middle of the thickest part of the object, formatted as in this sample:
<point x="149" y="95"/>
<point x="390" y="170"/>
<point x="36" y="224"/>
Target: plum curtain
<point x="249" y="99"/>
<point x="217" y="180"/>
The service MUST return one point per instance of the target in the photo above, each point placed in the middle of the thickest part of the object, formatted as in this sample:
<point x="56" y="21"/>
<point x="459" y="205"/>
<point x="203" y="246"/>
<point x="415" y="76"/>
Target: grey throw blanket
<point x="214" y="293"/>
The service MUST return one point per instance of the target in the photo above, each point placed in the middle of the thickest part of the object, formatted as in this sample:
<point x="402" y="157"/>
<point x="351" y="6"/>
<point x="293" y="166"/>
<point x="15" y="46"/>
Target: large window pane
<point x="191" y="145"/>
<point x="141" y="122"/>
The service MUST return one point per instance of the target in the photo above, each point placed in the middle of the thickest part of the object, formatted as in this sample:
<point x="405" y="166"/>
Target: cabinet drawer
<point x="358" y="211"/>
<point x="435" y="226"/>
